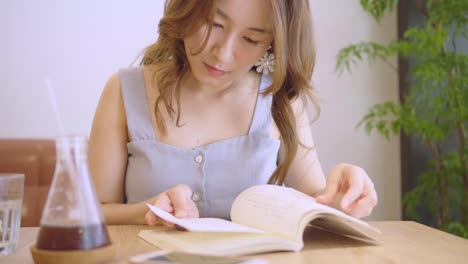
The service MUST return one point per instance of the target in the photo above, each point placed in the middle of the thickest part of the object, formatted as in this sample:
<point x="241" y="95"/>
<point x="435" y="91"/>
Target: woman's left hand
<point x="349" y="189"/>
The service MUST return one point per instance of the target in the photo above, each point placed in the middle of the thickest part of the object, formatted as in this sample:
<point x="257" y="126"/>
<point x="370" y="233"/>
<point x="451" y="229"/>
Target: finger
<point x="331" y="189"/>
<point x="371" y="199"/>
<point x="162" y="201"/>
<point x="190" y="211"/>
<point x="166" y="223"/>
<point x="366" y="202"/>
<point x="355" y="180"/>
<point x="181" y="200"/>
<point x="360" y="209"/>
<point x="150" y="218"/>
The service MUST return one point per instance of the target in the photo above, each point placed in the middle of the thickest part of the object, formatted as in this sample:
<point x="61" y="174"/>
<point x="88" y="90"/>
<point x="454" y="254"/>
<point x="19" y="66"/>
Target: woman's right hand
<point x="176" y="201"/>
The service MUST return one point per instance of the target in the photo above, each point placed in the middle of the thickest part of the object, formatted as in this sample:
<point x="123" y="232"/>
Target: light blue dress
<point x="216" y="172"/>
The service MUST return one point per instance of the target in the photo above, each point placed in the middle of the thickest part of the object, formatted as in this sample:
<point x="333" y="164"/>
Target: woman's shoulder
<point x="112" y="85"/>
<point x="126" y="76"/>
<point x="114" y="81"/>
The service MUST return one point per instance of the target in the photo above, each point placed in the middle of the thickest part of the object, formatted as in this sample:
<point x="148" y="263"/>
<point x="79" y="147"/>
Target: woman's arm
<point x="305" y="174"/>
<point x="108" y="157"/>
<point x="347" y="187"/>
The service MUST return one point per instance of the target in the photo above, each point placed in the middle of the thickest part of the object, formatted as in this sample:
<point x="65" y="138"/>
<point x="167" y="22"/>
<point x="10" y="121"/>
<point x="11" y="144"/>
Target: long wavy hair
<point x="294" y="50"/>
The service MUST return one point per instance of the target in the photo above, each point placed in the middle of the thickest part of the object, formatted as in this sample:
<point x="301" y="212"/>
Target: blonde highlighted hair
<point x="294" y="63"/>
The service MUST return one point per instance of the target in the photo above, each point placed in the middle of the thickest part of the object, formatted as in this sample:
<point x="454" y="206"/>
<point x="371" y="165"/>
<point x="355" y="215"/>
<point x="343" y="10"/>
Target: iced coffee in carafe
<point x="72" y="219"/>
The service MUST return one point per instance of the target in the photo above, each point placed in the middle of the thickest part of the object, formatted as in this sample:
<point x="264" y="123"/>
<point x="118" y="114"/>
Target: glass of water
<point x="11" y="200"/>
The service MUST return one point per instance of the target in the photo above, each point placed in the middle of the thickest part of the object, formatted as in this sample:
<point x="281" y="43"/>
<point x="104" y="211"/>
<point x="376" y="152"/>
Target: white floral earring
<point x="266" y="63"/>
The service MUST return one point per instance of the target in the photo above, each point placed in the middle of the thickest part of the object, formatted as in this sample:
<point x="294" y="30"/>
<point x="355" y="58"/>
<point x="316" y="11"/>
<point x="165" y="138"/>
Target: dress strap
<point x="136" y="104"/>
<point x="262" y="119"/>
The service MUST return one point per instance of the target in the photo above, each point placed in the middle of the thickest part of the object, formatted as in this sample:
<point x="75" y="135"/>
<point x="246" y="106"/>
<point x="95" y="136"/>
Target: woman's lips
<point x="214" y="71"/>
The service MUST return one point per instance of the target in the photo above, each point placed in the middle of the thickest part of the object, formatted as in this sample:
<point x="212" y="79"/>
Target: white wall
<point x="79" y="44"/>
<point x="346" y="99"/>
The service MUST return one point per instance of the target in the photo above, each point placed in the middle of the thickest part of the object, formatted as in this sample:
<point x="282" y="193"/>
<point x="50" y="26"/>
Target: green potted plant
<point x="434" y="108"/>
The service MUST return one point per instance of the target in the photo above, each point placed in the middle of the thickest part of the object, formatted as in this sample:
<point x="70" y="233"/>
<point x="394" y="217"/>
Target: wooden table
<point x="403" y="242"/>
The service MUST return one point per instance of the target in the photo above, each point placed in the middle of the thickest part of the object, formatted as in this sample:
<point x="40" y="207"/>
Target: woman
<point x="197" y="123"/>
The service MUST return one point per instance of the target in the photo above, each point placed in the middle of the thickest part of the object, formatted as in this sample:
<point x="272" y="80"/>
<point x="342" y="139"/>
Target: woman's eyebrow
<point x="256" y="29"/>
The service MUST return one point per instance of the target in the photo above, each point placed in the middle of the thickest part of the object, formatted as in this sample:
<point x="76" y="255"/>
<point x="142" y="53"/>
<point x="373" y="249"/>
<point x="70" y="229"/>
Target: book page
<point x="347" y="227"/>
<point x="203" y="224"/>
<point x="286" y="212"/>
<point x="272" y="208"/>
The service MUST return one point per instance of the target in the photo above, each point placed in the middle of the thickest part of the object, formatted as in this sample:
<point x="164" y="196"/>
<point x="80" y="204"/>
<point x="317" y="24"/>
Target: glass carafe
<point x="72" y="219"/>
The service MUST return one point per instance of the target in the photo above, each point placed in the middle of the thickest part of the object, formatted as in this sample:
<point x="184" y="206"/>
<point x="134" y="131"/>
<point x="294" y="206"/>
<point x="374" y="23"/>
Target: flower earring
<point x="266" y="63"/>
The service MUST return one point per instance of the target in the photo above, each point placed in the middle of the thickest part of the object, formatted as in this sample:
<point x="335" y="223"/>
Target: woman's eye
<point x="217" y="25"/>
<point x="251" y="41"/>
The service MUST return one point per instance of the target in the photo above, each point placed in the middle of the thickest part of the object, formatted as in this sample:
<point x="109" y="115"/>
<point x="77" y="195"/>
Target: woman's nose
<point x="223" y="49"/>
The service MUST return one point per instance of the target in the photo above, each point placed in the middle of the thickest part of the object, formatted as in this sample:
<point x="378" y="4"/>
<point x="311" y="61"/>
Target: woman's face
<point x="241" y="33"/>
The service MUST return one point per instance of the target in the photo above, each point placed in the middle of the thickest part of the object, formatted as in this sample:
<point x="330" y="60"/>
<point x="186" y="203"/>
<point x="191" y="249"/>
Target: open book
<point x="264" y="218"/>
